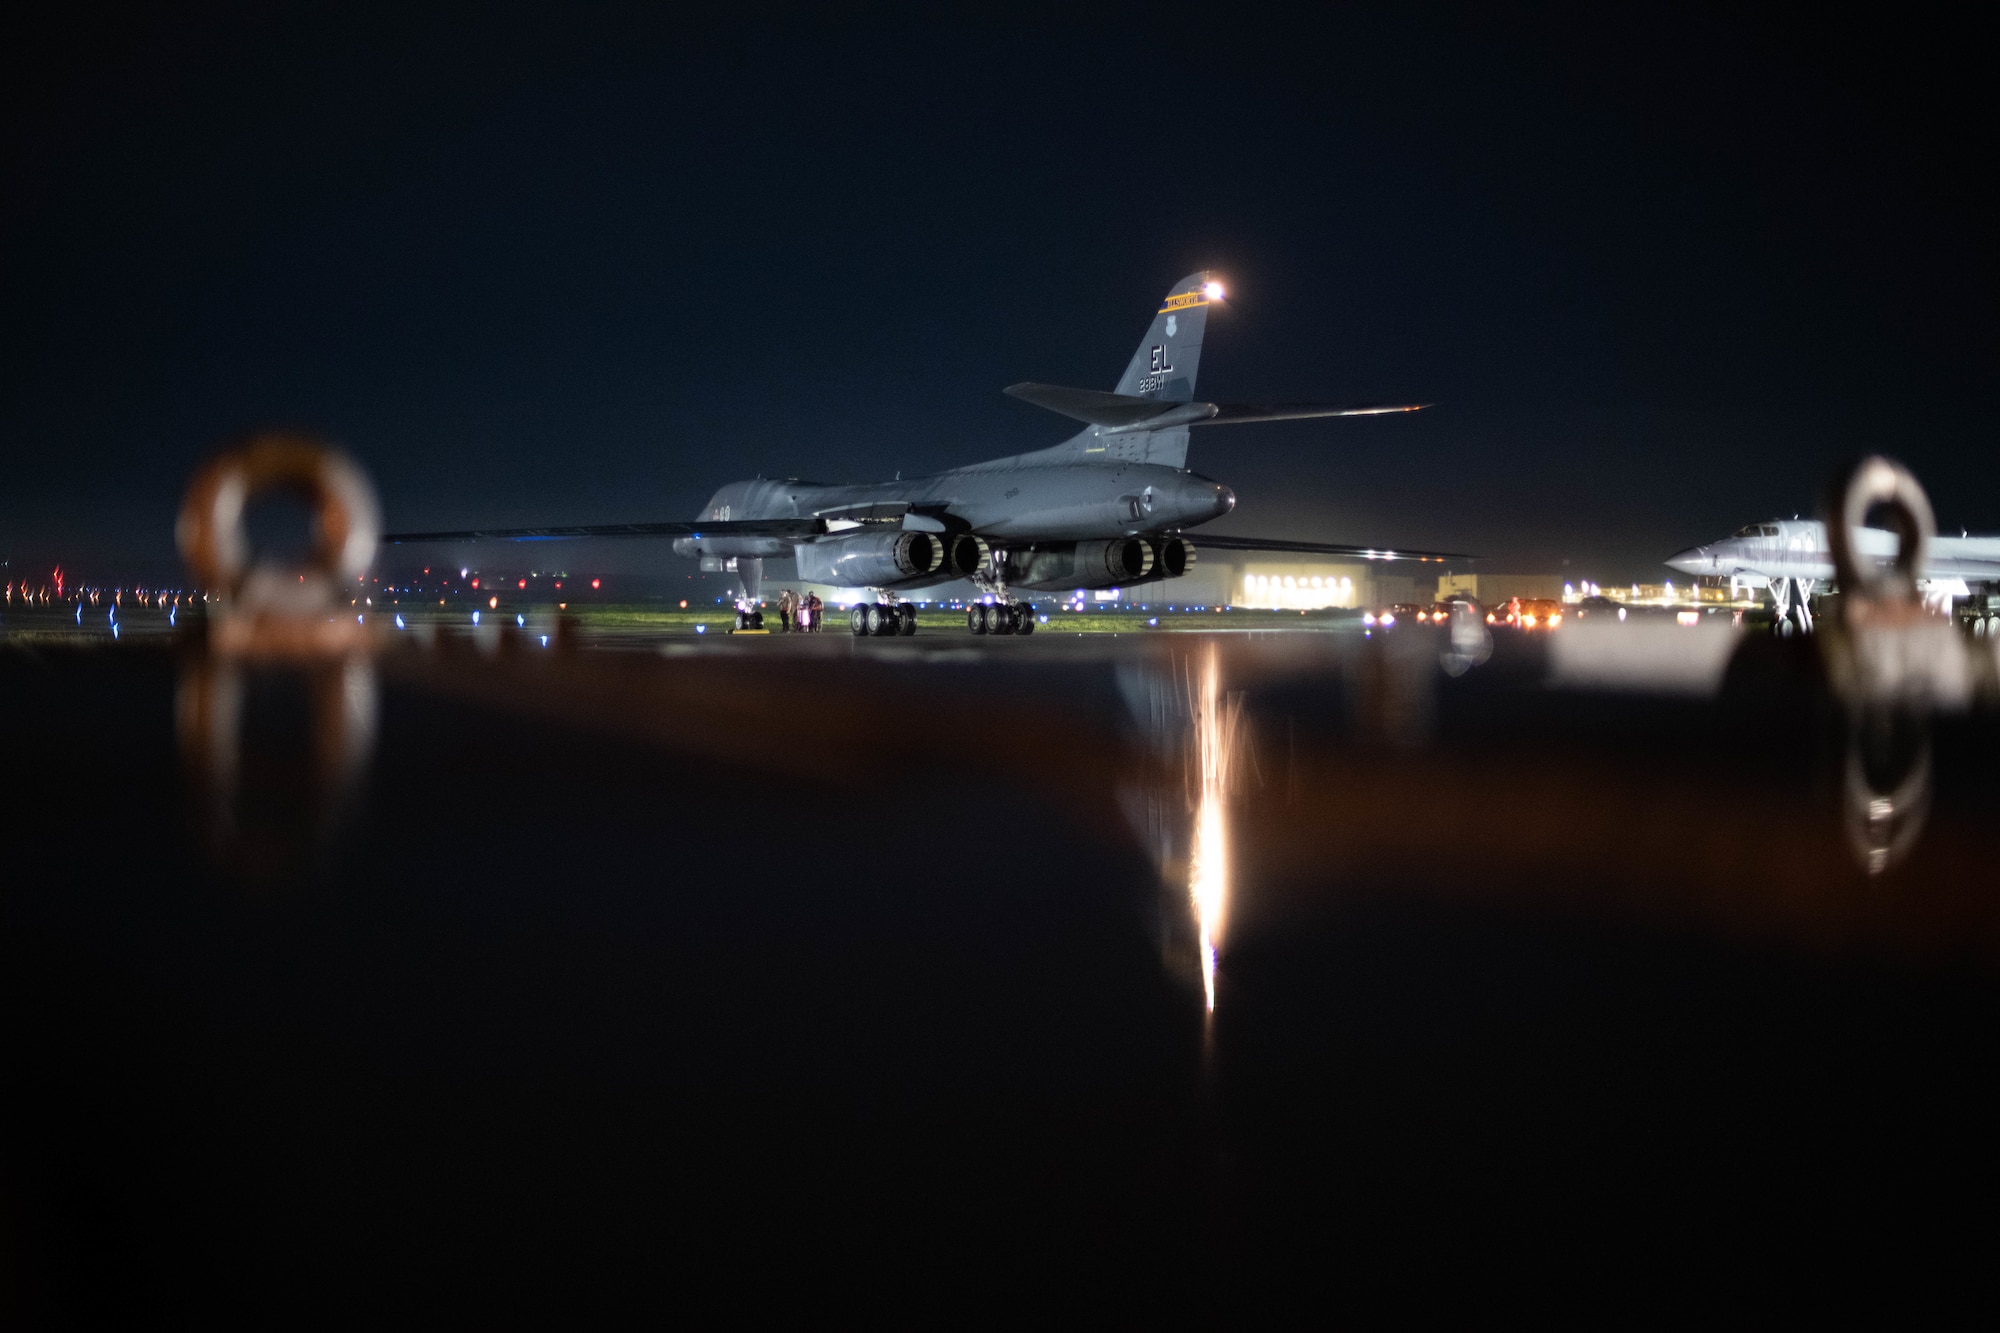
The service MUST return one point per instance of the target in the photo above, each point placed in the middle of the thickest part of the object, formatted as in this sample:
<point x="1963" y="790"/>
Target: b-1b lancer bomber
<point x="1109" y="507"/>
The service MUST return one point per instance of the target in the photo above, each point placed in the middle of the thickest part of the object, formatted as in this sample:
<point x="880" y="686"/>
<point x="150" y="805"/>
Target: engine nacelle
<point x="1095" y="564"/>
<point x="872" y="559"/>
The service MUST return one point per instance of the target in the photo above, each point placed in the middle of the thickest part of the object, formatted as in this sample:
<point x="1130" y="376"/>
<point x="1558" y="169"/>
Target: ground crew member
<point x="788" y="604"/>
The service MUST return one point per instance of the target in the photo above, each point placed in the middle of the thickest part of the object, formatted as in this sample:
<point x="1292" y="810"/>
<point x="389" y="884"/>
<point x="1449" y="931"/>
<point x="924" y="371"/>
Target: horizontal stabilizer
<point x="1120" y="413"/>
<point x="1229" y="414"/>
<point x="1093" y="405"/>
<point x="1208" y="542"/>
<point x="747" y="527"/>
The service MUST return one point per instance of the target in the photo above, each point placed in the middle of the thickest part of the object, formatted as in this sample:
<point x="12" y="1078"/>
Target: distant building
<point x="1312" y="585"/>
<point x="1687" y="594"/>
<point x="1296" y="585"/>
<point x="1487" y="589"/>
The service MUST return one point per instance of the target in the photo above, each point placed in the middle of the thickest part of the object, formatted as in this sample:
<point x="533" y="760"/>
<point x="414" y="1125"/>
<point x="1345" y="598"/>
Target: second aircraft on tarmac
<point x="1792" y="558"/>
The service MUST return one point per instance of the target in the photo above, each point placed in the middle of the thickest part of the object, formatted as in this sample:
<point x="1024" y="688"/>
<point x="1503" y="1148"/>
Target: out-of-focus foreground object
<point x="1893" y="660"/>
<point x="279" y="626"/>
<point x="268" y="610"/>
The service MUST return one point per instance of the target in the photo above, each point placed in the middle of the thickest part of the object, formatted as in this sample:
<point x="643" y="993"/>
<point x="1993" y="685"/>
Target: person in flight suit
<point x="788" y="605"/>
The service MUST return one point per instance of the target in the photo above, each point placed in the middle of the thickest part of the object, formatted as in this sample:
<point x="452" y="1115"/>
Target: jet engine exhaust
<point x="1172" y="557"/>
<point x="965" y="555"/>
<point x="1119" y="560"/>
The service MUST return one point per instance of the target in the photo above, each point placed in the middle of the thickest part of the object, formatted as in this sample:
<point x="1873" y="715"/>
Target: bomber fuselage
<point x="1008" y="502"/>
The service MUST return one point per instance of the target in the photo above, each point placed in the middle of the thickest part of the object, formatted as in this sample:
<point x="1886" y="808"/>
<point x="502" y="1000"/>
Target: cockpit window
<point x="1757" y="530"/>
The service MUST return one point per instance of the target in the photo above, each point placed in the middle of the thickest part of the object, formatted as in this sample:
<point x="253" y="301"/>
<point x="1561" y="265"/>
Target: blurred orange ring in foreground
<point x="347" y="519"/>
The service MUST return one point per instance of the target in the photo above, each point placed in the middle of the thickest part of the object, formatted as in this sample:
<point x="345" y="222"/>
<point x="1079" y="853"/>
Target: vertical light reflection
<point x="1213" y="754"/>
<point x="1210" y="886"/>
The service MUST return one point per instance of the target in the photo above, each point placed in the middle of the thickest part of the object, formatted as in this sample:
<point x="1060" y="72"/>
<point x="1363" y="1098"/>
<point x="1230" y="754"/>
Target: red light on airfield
<point x="475" y="583"/>
<point x="595" y="582"/>
<point x="523" y="583"/>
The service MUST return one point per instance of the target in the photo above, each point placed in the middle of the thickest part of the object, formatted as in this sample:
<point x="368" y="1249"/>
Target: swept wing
<point x="742" y="527"/>
<point x="1204" y="541"/>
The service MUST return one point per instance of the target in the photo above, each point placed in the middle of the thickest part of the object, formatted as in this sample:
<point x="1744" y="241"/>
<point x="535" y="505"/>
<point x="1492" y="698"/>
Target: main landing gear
<point x="749" y="618"/>
<point x="1000" y="618"/>
<point x="882" y="620"/>
<point x="1001" y="615"/>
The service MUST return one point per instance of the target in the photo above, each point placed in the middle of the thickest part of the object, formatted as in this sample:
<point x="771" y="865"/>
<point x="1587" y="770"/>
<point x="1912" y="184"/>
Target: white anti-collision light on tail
<point x="1213" y="291"/>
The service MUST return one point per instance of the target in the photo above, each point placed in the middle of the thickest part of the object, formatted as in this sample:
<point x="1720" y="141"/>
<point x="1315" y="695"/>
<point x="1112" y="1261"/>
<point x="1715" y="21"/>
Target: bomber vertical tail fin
<point x="1164" y="366"/>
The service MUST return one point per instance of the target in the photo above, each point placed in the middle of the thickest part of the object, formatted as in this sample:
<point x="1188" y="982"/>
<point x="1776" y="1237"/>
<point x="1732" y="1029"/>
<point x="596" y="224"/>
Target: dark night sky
<point x="1659" y="269"/>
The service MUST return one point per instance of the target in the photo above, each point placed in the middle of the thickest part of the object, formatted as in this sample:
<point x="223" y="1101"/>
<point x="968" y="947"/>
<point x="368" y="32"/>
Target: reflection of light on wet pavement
<point x="1210" y="886"/>
<point x="1214" y="748"/>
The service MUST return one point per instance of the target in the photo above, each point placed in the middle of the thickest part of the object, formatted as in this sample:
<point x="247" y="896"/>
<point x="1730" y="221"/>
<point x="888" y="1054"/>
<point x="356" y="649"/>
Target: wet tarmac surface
<point x="1169" y="968"/>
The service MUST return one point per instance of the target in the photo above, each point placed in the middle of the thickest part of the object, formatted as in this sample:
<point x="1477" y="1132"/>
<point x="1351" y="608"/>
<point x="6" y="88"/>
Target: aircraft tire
<point x="975" y="618"/>
<point x="906" y="620"/>
<point x="1027" y="621"/>
<point x="1001" y="617"/>
<point x="883" y="621"/>
<point x="857" y="620"/>
<point x="756" y="620"/>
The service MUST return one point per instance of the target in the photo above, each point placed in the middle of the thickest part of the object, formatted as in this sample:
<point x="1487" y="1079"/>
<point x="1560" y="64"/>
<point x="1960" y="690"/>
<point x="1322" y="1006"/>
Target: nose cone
<point x="1222" y="501"/>
<point x="1694" y="560"/>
